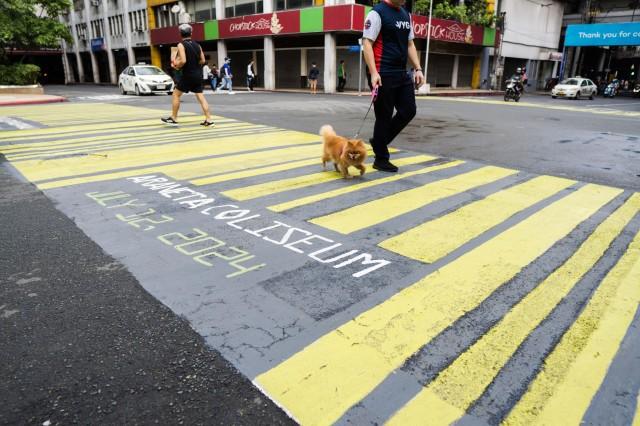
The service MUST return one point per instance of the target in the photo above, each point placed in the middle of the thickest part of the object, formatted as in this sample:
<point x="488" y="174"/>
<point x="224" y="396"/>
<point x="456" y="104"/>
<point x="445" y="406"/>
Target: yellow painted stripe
<point x="636" y="419"/>
<point x="282" y="185"/>
<point x="187" y="170"/>
<point x="36" y="170"/>
<point x="574" y="371"/>
<point x="85" y="129"/>
<point x="437" y="238"/>
<point x="449" y="396"/>
<point x="360" y="186"/>
<point x="259" y="170"/>
<point x="368" y="214"/>
<point x="149" y="143"/>
<point x="66" y="114"/>
<point x="318" y="384"/>
<point x="557" y="107"/>
<point x="255" y="172"/>
<point x="158" y="132"/>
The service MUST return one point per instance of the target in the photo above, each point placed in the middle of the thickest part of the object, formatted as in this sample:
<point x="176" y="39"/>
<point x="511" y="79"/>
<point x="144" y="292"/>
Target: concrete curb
<point x="18" y="102"/>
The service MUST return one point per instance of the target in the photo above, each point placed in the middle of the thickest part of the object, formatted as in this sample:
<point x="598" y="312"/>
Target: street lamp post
<point x="426" y="59"/>
<point x="425" y="88"/>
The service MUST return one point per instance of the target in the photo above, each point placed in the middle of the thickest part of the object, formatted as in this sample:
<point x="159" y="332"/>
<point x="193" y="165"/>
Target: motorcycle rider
<point x="517" y="78"/>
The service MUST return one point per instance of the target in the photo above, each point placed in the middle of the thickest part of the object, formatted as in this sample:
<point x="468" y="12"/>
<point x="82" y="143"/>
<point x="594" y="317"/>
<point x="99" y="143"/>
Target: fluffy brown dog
<point x="342" y="151"/>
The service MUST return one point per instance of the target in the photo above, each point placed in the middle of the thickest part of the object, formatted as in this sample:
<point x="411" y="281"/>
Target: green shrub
<point x="19" y="74"/>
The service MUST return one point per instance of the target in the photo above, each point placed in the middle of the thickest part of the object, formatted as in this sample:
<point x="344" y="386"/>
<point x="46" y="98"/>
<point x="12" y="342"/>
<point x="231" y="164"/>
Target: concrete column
<point x="220" y="9"/>
<point x="484" y="68"/>
<point x="454" y="72"/>
<point x="603" y="58"/>
<point x="68" y="73"/>
<point x="131" y="57"/>
<point x="76" y="45"/>
<point x="304" y="66"/>
<point x="554" y="72"/>
<point x="222" y="52"/>
<point x="330" y="63"/>
<point x="269" y="71"/>
<point x="94" y="63"/>
<point x="267" y="6"/>
<point x="576" y="59"/>
<point x="113" y="77"/>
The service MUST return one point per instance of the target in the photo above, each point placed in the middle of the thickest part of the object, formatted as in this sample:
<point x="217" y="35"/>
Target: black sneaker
<point x="170" y="121"/>
<point x="385" y="166"/>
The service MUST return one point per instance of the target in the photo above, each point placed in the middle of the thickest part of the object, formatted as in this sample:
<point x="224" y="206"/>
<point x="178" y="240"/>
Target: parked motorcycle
<point x="636" y="91"/>
<point x="512" y="91"/>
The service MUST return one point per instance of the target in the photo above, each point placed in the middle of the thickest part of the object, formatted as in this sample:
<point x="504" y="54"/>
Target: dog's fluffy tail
<point x="327" y="130"/>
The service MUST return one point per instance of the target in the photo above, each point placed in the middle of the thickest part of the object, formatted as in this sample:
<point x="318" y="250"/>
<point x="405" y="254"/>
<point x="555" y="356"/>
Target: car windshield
<point x="570" y="82"/>
<point x="149" y="71"/>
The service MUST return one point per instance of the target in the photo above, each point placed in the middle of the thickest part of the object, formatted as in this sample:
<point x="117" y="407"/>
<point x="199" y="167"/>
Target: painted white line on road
<point x="609" y="105"/>
<point x="17" y="124"/>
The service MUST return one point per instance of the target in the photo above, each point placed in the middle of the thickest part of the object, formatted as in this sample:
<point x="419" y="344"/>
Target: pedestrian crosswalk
<point x="477" y="231"/>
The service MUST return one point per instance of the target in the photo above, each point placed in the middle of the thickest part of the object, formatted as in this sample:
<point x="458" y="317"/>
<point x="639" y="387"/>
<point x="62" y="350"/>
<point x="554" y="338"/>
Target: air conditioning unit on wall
<point x="95" y="3"/>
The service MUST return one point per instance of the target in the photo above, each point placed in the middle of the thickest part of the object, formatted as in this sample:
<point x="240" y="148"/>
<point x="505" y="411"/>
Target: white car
<point x="143" y="79"/>
<point x="574" y="88"/>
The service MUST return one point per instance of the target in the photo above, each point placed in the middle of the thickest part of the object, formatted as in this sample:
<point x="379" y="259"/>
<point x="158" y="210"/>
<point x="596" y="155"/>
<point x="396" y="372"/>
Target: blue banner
<point x="97" y="44"/>
<point x="624" y="34"/>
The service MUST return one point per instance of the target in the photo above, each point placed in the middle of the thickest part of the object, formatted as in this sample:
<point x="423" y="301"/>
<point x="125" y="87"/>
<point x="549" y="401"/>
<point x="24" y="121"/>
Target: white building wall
<point x="532" y="28"/>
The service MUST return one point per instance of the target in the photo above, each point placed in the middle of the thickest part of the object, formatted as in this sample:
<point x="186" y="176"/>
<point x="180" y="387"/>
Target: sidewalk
<point x="19" y="99"/>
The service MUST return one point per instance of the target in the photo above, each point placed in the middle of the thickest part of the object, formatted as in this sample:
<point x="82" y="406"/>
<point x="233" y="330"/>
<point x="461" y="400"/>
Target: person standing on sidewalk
<point x="342" y="76"/>
<point x="227" y="77"/>
<point x="251" y="75"/>
<point x="189" y="60"/>
<point x="314" y="72"/>
<point x="388" y="44"/>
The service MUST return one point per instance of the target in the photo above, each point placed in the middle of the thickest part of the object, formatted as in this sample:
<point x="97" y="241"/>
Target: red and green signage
<point x="349" y="17"/>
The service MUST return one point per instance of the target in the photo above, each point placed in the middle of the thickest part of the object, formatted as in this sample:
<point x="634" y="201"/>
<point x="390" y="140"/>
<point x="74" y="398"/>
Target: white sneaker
<point x="232" y="93"/>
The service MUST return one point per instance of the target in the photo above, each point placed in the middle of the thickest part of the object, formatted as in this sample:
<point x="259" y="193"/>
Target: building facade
<point x="530" y="38"/>
<point x="603" y="60"/>
<point x="108" y="35"/>
<point x="288" y="36"/>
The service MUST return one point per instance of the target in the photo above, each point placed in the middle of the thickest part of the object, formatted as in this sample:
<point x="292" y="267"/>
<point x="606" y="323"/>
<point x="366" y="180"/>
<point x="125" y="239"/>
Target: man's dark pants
<point x="397" y="92"/>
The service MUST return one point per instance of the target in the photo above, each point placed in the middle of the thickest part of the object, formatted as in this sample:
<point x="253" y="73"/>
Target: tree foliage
<point x="472" y="12"/>
<point x="32" y="24"/>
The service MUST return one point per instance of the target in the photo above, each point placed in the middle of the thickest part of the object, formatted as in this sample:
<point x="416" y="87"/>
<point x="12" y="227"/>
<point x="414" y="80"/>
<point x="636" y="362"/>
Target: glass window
<point x="584" y="83"/>
<point x="149" y="71"/>
<point x="245" y="9"/>
<point x="280" y="5"/>
<point x="203" y="15"/>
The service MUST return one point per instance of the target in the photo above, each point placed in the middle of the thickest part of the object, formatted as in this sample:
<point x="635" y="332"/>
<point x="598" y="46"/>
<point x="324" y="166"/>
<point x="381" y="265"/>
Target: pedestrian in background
<point x="189" y="59"/>
<point x="227" y="76"/>
<point x="314" y="72"/>
<point x="215" y="77"/>
<point x="342" y="76"/>
<point x="207" y="75"/>
<point x="251" y="75"/>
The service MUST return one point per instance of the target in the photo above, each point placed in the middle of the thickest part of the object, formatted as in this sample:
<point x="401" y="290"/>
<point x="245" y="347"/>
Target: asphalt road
<point x="150" y="261"/>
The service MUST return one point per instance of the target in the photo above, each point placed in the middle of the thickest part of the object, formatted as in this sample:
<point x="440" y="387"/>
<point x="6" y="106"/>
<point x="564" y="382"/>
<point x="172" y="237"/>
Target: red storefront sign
<point x="444" y="30"/>
<point x="260" y="25"/>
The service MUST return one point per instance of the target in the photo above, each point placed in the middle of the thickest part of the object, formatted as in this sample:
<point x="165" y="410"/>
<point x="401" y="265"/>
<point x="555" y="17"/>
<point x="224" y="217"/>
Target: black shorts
<point x="190" y="84"/>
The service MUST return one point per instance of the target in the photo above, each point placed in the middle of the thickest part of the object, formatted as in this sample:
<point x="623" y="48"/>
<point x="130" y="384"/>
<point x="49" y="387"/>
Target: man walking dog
<point x="387" y="44"/>
<point x="189" y="59"/>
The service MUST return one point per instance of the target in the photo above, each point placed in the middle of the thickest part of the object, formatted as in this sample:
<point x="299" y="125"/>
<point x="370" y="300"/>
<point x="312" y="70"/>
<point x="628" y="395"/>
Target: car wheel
<point x="122" y="91"/>
<point x="553" y="97"/>
<point x="577" y="96"/>
<point x="591" y="96"/>
<point x="169" y="93"/>
<point x="137" y="90"/>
